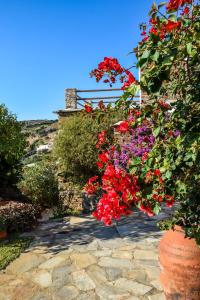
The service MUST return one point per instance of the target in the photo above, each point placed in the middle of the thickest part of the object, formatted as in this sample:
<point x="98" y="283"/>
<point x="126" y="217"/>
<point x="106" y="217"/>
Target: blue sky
<point x="49" y="45"/>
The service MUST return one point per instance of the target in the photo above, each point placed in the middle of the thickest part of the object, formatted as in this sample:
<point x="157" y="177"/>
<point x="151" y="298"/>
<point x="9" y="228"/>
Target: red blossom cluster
<point x="88" y="108"/>
<point x="130" y="79"/>
<point x="92" y="185"/>
<point x="123" y="126"/>
<point x="111" y="68"/>
<point x="101" y="139"/>
<point x="176" y="4"/>
<point x="120" y="191"/>
<point x="169" y="200"/>
<point x="162" y="30"/>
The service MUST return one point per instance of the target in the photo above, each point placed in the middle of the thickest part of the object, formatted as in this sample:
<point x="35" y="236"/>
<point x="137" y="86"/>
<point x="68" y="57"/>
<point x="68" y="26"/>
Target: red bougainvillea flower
<point x="153" y="21"/>
<point x="92" y="185"/>
<point x="131" y="79"/>
<point x="157" y="172"/>
<point x="88" y="108"/>
<point x="99" y="164"/>
<point x="176" y="4"/>
<point x="123" y="127"/>
<point x="169" y="200"/>
<point x="147" y="210"/>
<point x="158" y="198"/>
<point x="171" y="25"/>
<point x="144" y="39"/>
<point x="101" y="139"/>
<point x="145" y="157"/>
<point x="103" y="157"/>
<point x="153" y="30"/>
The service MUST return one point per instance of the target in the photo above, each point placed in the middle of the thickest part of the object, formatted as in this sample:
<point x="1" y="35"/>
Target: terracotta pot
<point x="180" y="266"/>
<point x="3" y="234"/>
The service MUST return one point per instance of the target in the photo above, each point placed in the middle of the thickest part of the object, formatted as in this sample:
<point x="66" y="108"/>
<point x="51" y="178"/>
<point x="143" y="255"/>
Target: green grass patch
<point x="11" y="248"/>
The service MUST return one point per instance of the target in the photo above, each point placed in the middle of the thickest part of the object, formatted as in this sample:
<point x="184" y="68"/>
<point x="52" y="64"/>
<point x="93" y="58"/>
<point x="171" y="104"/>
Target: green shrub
<point x="39" y="184"/>
<point x="75" y="146"/>
<point x="12" y="147"/>
<point x="18" y="216"/>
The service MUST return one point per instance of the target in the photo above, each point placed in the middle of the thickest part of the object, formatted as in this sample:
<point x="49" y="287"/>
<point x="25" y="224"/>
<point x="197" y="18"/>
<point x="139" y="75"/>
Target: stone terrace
<point x="79" y="258"/>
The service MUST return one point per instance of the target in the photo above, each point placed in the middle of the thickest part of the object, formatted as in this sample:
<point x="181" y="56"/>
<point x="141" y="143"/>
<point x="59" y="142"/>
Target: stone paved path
<point x="78" y="258"/>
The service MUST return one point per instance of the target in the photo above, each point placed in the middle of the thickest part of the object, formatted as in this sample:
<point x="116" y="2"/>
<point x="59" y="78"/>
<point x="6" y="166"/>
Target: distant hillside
<point x="38" y="133"/>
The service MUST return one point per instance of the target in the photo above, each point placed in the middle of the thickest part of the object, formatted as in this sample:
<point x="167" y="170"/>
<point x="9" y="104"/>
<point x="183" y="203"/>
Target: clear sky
<point x="49" y="45"/>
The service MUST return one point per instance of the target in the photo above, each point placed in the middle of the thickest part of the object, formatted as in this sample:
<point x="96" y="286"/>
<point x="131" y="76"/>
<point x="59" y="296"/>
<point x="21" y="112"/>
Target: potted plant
<point x="156" y="162"/>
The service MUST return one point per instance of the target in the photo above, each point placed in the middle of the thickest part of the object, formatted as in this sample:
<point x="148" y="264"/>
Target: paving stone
<point x="41" y="296"/>
<point x="52" y="263"/>
<point x="16" y="282"/>
<point x="113" y="273"/>
<point x="145" y="263"/>
<point x="78" y="220"/>
<point x="114" y="243"/>
<point x="145" y="255"/>
<point x="101" y="253"/>
<point x="25" y="291"/>
<point x="152" y="272"/>
<point x="82" y="281"/>
<point x="66" y="293"/>
<point x="108" y="292"/>
<point x="5" y="293"/>
<point x="82" y="260"/>
<point x="135" y="274"/>
<point x="97" y="274"/>
<point x="115" y="262"/>
<point x="79" y="248"/>
<point x="157" y="284"/>
<point x="137" y="289"/>
<point x="93" y="245"/>
<point x="122" y="254"/>
<point x="25" y="262"/>
<point x="61" y="276"/>
<point x="87" y="296"/>
<point x="129" y="247"/>
<point x="42" y="278"/>
<point x="65" y="253"/>
<point x="4" y="278"/>
<point x="160" y="296"/>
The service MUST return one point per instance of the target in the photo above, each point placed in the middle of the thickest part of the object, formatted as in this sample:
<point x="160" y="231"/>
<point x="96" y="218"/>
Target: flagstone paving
<point x="79" y="258"/>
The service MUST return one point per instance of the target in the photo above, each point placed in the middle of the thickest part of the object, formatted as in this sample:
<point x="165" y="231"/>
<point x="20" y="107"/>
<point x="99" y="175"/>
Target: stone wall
<point x="70" y="196"/>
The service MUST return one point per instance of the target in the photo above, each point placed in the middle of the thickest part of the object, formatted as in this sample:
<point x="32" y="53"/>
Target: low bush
<point x="75" y="146"/>
<point x="18" y="217"/>
<point x="39" y="184"/>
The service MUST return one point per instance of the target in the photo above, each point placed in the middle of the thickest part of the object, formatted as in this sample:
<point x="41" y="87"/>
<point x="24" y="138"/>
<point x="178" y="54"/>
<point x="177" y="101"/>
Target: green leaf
<point x="161" y="4"/>
<point x="135" y="161"/>
<point x="145" y="54"/>
<point x="168" y="174"/>
<point x="156" y="209"/>
<point x="189" y="48"/>
<point x="156" y="56"/>
<point x="172" y="17"/>
<point x="156" y="131"/>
